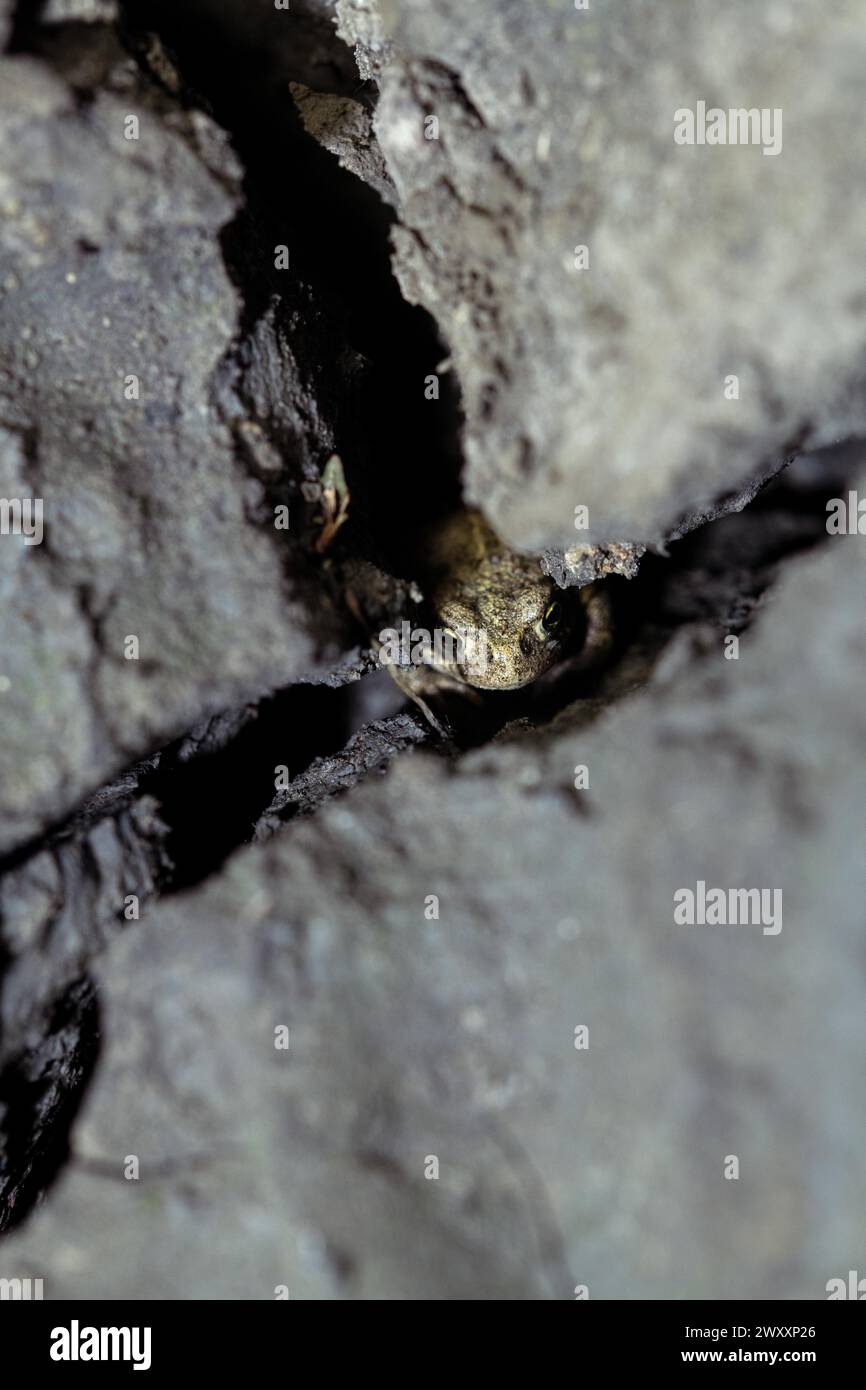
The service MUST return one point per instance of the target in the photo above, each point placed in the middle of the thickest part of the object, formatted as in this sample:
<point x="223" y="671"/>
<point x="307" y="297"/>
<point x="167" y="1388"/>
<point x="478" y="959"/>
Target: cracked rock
<point x="417" y="1034"/>
<point x="117" y="310"/>
<point x="59" y="907"/>
<point x="609" y="386"/>
<point x="299" y="994"/>
<point x="345" y="128"/>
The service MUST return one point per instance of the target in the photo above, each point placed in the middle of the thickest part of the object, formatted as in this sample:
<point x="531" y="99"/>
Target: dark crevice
<point x="714" y="579"/>
<point x="212" y="799"/>
<point x="213" y="785"/>
<point x="25" y="32"/>
<point x="216" y="787"/>
<point x="104" y="802"/>
<point x="41" y="1091"/>
<point x="710" y="583"/>
<point x="401" y="451"/>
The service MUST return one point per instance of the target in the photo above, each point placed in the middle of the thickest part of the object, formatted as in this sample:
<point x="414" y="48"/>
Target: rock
<point x="59" y="906"/>
<point x="418" y="1034"/>
<point x="424" y="1024"/>
<point x="366" y="27"/>
<point x="583" y="564"/>
<point x="344" y="127"/>
<point x="605" y="387"/>
<point x="372" y="748"/>
<point x="114" y="283"/>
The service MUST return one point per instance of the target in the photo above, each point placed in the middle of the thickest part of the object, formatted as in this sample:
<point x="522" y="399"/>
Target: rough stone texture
<point x="345" y="128"/>
<point x="605" y="387"/>
<point x="455" y="1037"/>
<point x="40" y="1088"/>
<point x="61" y="903"/>
<point x="372" y="748"/>
<point x="153" y="526"/>
<point x="59" y="907"/>
<point x="365" y="25"/>
<point x="410" y="1036"/>
<point x="583" y="564"/>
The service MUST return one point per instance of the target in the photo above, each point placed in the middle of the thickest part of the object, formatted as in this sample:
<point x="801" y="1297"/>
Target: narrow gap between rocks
<point x="403" y="463"/>
<point x="401" y="452"/>
<point x="41" y="1093"/>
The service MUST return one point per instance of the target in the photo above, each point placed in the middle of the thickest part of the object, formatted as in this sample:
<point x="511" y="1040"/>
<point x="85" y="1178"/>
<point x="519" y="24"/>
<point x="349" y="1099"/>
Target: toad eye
<point x="552" y="620"/>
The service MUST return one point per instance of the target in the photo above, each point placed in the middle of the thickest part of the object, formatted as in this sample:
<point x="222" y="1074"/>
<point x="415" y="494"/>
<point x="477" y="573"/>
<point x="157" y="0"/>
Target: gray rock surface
<point x="153" y="525"/>
<point x="605" y="387"/>
<point x="418" y="1035"/>
<point x="454" y="1038"/>
<point x="345" y="128"/>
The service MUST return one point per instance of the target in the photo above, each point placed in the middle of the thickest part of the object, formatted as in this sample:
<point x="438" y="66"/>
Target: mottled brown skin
<point x="473" y="582"/>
